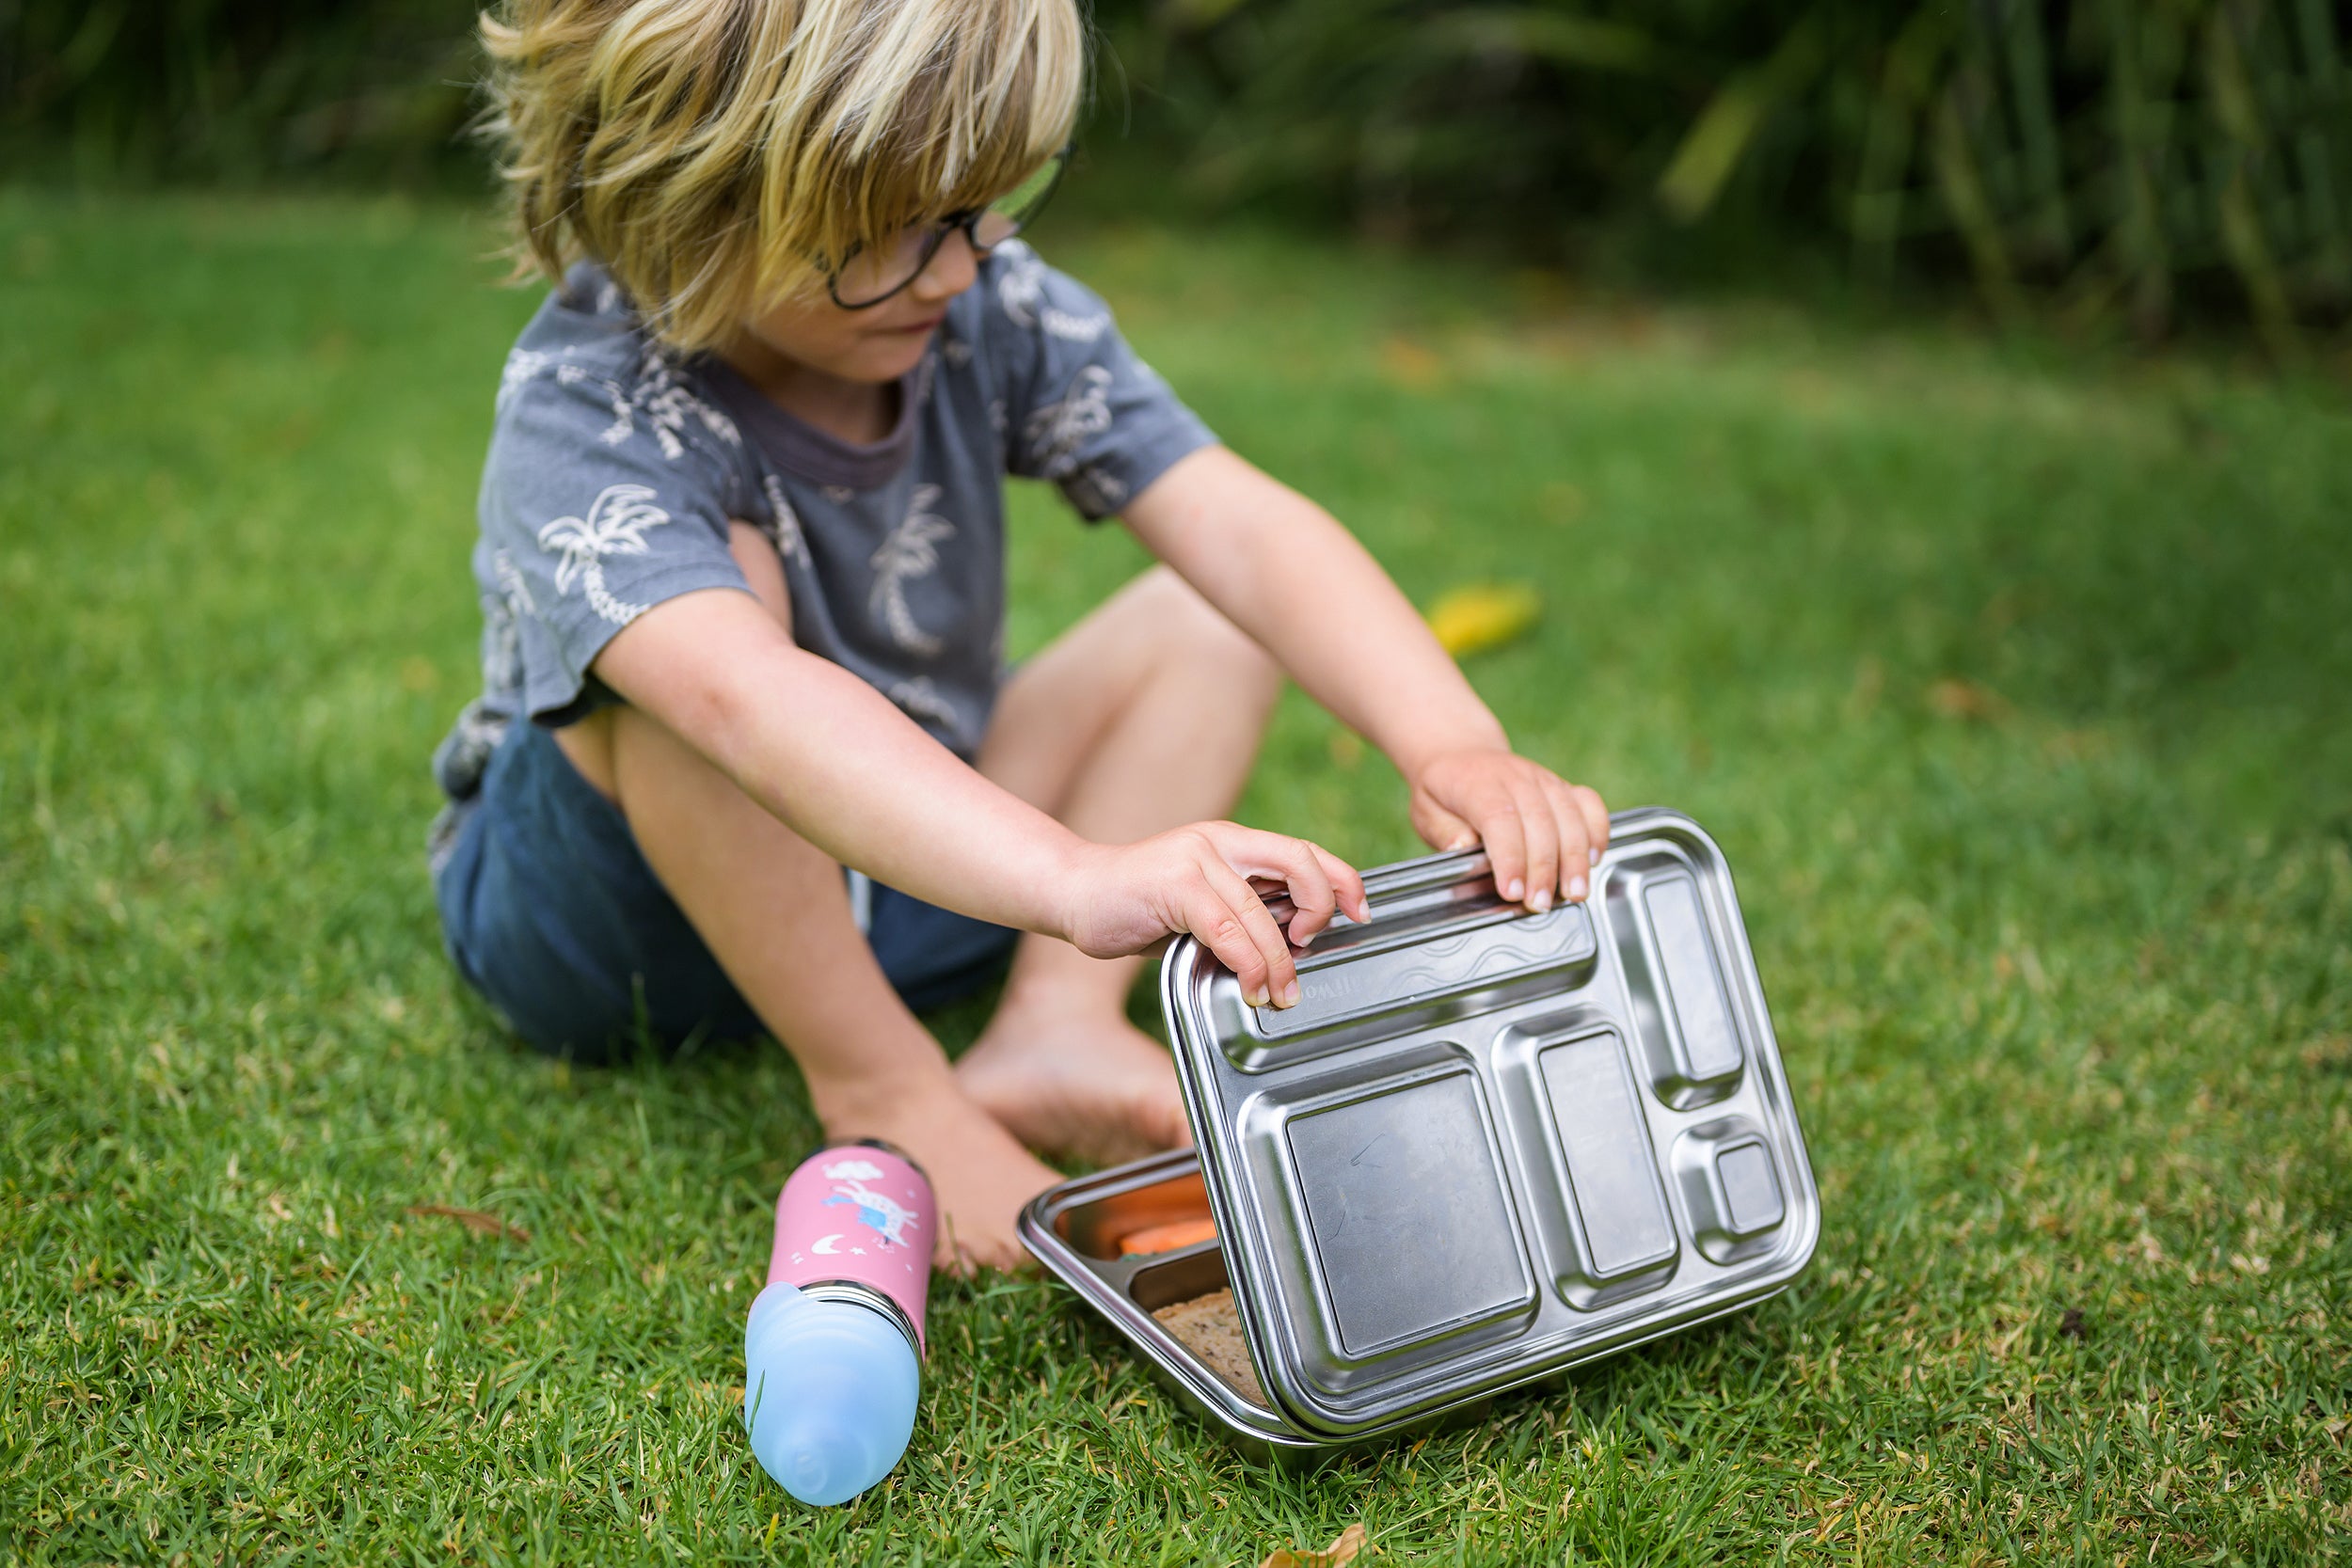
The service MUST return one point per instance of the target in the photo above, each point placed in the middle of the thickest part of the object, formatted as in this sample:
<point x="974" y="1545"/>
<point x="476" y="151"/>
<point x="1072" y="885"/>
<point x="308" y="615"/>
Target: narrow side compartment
<point x="1608" y="1225"/>
<point x="1690" y="1037"/>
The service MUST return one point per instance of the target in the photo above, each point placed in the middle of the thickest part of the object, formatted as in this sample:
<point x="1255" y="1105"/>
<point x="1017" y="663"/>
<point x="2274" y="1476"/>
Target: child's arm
<point x="833" y="758"/>
<point x="1288" y="574"/>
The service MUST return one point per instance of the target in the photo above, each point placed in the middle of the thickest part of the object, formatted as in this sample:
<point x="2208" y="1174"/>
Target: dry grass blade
<point x="1341" y="1551"/>
<point x="473" y="1220"/>
<point x="1955" y="698"/>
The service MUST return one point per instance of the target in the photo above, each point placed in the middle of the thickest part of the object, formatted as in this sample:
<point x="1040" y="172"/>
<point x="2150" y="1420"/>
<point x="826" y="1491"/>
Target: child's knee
<point x="1198" y="632"/>
<point x="763" y="568"/>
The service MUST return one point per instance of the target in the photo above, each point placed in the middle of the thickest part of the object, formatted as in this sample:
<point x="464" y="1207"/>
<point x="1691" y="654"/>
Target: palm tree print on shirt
<point x="784" y="524"/>
<point x="665" y="401"/>
<point x="911" y="551"/>
<point x="615" y="525"/>
<point x="1057" y="432"/>
<point x="1021" y="292"/>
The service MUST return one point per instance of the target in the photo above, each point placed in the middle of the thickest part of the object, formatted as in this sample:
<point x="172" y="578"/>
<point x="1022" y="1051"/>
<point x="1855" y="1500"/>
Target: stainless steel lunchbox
<point x="1486" y="1146"/>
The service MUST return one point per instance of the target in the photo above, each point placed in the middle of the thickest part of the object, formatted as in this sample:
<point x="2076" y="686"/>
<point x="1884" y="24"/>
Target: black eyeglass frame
<point x="968" y="221"/>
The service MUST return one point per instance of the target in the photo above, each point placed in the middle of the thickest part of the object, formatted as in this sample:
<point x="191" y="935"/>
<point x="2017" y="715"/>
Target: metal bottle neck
<point x="858" y="1294"/>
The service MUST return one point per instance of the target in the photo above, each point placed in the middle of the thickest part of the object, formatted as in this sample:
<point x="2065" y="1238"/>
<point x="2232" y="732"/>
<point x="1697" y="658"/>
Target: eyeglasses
<point x="870" y="277"/>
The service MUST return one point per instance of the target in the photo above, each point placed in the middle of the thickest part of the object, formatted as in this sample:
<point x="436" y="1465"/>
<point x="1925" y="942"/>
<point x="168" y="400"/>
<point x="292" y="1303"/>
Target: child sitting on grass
<point x="742" y="570"/>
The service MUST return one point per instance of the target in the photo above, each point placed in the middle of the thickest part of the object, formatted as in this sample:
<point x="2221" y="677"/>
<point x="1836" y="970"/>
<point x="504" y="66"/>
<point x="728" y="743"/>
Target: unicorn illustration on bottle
<point x="885" y="1216"/>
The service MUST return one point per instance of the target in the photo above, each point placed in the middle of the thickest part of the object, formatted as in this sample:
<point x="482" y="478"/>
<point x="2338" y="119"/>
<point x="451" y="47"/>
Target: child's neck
<point x="859" y="411"/>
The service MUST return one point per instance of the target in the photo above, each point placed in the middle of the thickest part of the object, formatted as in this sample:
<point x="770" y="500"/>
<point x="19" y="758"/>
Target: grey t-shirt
<point x="614" y="468"/>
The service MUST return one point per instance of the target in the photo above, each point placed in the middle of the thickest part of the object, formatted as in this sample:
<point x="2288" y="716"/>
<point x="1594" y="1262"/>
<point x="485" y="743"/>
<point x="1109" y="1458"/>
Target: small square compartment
<point x="1733" y="1186"/>
<point x="1412" y="1235"/>
<point x="1751" y="1200"/>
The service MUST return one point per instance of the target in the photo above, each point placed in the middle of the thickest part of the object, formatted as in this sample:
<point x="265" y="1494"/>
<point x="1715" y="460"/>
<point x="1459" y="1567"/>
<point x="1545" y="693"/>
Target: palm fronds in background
<point x="236" y="92"/>
<point x="2093" y="155"/>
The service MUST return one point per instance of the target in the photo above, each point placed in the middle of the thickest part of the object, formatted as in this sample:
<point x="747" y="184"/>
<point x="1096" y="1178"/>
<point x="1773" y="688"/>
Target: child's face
<point x="878" y="344"/>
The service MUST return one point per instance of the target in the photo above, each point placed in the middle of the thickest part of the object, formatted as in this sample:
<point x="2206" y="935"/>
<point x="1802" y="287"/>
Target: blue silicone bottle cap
<point x="828" y="1393"/>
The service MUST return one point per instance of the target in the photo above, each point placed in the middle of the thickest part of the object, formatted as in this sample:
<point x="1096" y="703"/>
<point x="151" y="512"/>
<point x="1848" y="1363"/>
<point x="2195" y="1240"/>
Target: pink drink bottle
<point x="832" y="1350"/>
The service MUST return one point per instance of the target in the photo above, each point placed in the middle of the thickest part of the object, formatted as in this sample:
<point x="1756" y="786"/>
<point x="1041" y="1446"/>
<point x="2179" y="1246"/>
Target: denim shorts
<point x="550" y="911"/>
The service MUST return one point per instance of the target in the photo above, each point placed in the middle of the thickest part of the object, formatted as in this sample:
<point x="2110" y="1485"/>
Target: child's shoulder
<point x="584" y="371"/>
<point x="583" y="330"/>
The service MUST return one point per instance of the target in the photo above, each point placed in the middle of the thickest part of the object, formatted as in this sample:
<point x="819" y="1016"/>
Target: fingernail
<point x="1542" y="899"/>
<point x="1290" y="994"/>
<point x="1516" y="891"/>
<point x="1576" y="888"/>
<point x="1593" y="857"/>
<point x="1255" y="998"/>
<point x="1460" y="843"/>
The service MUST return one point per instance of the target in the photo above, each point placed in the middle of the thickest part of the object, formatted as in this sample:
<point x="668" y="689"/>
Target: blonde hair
<point x="713" y="153"/>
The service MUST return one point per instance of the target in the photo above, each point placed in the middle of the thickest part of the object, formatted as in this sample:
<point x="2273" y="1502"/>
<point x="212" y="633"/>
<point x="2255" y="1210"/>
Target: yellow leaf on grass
<point x="1408" y="364"/>
<point x="1341" y="1552"/>
<point x="1485" y="615"/>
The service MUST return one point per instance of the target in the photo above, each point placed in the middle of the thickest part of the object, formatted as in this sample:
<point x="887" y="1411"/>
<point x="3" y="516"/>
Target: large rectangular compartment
<point x="1487" y="1146"/>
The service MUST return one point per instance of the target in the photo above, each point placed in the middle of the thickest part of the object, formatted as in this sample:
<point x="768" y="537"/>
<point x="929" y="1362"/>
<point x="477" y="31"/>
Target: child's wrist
<point x="1414" y="756"/>
<point x="1065" y="882"/>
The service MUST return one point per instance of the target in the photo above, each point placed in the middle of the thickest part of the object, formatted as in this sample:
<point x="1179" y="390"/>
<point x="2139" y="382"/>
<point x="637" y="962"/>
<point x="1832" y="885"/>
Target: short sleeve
<point x="607" y="491"/>
<point x="1081" y="410"/>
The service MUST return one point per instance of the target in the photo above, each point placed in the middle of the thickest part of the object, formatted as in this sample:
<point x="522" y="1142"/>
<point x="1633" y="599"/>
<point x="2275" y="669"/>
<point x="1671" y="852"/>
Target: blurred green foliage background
<point x="2093" y="161"/>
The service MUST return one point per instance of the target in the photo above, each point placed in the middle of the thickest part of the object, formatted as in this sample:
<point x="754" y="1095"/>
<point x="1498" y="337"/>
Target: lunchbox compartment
<point x="1411" y="1230"/>
<point x="1733" y="1187"/>
<point x="1084" y="1221"/>
<point x="1595" y="1192"/>
<point x="1191" y="1277"/>
<point x="1689" y="1036"/>
<point x="1096" y="1228"/>
<point x="1186" y="1275"/>
<point x="1353" y="994"/>
<point x="1623" y="1230"/>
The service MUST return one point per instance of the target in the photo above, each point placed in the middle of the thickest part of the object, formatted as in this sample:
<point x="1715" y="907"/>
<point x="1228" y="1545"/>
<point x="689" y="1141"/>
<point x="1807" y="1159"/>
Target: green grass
<point x="2015" y="689"/>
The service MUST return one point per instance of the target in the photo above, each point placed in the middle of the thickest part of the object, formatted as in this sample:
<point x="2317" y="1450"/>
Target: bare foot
<point x="980" y="1175"/>
<point x="1077" y="1084"/>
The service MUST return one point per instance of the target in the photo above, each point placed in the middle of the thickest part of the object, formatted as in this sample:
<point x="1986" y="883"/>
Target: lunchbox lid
<point x="1487" y="1144"/>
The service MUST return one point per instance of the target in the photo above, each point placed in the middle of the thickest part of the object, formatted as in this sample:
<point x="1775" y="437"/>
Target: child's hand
<point x="1542" y="833"/>
<point x="1125" y="897"/>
